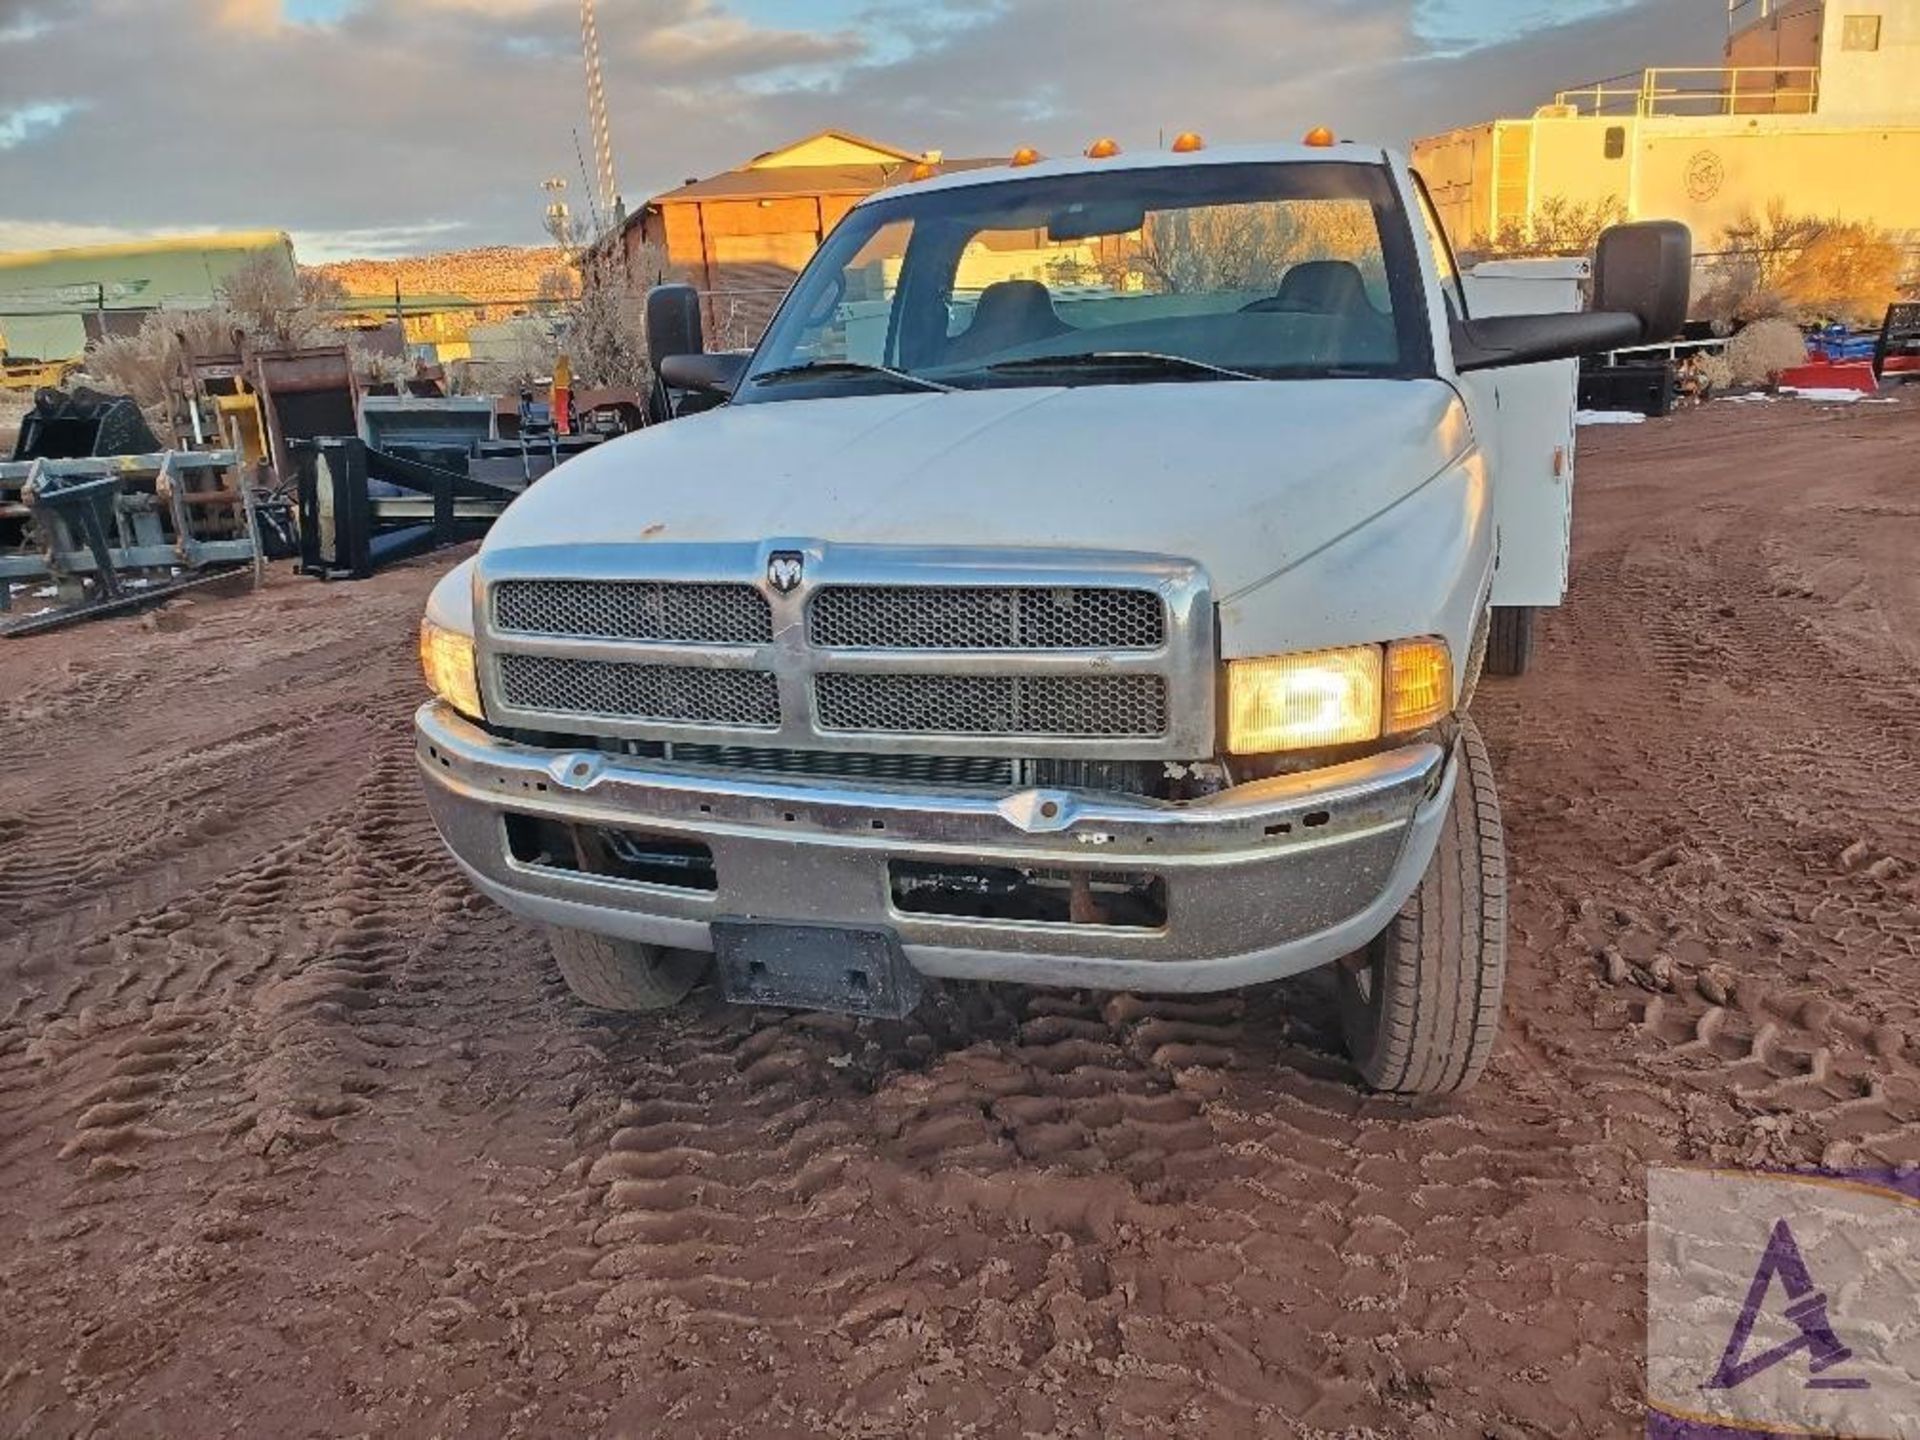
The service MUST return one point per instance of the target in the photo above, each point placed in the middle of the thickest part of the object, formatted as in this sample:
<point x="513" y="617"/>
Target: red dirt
<point x="298" y="1136"/>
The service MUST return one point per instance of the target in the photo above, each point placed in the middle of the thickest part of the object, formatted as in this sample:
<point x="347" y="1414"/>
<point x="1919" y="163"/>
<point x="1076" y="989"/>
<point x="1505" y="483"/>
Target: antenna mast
<point x="609" y="196"/>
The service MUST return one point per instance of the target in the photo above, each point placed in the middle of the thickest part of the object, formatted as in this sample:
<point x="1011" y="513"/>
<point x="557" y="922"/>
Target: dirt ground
<point x="300" y="1137"/>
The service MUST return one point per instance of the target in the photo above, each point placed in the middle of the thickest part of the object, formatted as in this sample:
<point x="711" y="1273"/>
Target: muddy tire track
<point x="304" y="1137"/>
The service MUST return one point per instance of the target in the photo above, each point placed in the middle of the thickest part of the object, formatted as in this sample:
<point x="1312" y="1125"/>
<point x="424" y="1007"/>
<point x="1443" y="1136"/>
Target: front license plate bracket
<point x="815" y="967"/>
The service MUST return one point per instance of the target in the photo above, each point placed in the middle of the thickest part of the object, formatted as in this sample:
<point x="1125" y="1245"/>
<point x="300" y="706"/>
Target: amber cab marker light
<point x="1320" y="138"/>
<point x="1103" y="149"/>
<point x="1025" y="155"/>
<point x="1187" y="143"/>
<point x="923" y="171"/>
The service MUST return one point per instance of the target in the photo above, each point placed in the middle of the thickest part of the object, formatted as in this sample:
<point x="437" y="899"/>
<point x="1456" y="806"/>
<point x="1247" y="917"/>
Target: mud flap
<point x="815" y="967"/>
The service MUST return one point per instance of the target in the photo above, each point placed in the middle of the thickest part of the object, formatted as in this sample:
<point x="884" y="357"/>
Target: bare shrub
<point x="1849" y="272"/>
<point x="280" y="307"/>
<point x="1762" y="350"/>
<point x="1714" y="372"/>
<point x="1803" y="268"/>
<point x="1558" y="226"/>
<point x="604" y="330"/>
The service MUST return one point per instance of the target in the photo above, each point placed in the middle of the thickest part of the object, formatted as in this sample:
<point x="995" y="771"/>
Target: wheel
<point x="1420" y="1006"/>
<point x="1510" y="640"/>
<point x="623" y="974"/>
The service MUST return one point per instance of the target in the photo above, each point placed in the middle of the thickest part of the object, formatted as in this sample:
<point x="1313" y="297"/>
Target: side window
<point x="855" y="321"/>
<point x="1455" y="289"/>
<point x="1616" y="148"/>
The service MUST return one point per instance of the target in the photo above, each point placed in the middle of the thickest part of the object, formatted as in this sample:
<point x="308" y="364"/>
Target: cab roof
<point x="1349" y="152"/>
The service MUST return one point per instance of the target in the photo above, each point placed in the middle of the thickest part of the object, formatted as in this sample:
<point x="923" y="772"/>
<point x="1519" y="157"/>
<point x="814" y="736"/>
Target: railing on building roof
<point x="1700" y="90"/>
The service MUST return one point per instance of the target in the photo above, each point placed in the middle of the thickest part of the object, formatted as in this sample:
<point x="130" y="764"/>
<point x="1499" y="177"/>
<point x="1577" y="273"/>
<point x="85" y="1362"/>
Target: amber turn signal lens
<point x="1419" y="685"/>
<point x="1304" y="701"/>
<point x="447" y="658"/>
<point x="1104" y="149"/>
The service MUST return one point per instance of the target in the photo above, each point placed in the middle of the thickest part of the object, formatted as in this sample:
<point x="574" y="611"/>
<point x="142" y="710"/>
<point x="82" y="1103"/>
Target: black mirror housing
<point x="673" y="323"/>
<point x="708" y="374"/>
<point x="1646" y="270"/>
<point x="1642" y="289"/>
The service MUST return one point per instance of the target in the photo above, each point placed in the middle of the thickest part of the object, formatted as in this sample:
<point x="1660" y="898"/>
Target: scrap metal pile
<point x="288" y="458"/>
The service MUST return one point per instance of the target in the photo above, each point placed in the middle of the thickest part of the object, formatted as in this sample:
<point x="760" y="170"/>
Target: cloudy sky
<point x="388" y="126"/>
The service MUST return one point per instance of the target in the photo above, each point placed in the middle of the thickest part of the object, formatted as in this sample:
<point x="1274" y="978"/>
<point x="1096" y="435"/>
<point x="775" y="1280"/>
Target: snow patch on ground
<point x="1609" y="417"/>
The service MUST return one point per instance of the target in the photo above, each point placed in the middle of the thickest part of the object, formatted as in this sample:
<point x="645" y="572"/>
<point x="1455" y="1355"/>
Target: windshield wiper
<point x="1142" y="361"/>
<point x="825" y="369"/>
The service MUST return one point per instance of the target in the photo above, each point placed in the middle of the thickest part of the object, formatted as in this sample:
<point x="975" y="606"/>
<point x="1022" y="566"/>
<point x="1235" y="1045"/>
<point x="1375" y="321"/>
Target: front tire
<point x="623" y="974"/>
<point x="1420" y="1006"/>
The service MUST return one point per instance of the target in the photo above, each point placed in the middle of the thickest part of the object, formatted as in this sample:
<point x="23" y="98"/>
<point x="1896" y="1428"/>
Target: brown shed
<point x="742" y="236"/>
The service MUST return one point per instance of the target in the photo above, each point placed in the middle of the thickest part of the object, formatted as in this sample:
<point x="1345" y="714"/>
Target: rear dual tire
<point x="1420" y="1006"/>
<point x="1510" y="640"/>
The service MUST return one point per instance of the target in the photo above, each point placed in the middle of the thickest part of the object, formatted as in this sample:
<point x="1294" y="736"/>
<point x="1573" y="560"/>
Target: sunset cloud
<point x="440" y="118"/>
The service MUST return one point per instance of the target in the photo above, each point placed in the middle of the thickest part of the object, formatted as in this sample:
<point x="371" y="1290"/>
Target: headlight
<point x="447" y="658"/>
<point x="1321" y="698"/>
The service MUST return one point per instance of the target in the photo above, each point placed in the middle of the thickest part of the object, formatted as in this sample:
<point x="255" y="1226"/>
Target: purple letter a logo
<point x="1808" y="1312"/>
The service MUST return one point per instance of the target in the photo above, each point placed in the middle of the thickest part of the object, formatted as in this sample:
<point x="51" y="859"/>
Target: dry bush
<point x="1715" y="372"/>
<point x="282" y="308"/>
<point x="604" y="330"/>
<point x="1734" y="295"/>
<point x="1762" y="350"/>
<point x="1850" y="272"/>
<point x="151" y="364"/>
<point x="1803" y="268"/>
<point x="1559" y="226"/>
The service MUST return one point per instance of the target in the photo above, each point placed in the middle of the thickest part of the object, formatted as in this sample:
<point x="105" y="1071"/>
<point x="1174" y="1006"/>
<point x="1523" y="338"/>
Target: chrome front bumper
<point x="1263" y="881"/>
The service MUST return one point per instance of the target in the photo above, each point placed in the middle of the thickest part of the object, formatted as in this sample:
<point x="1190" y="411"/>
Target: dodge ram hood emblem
<point x="785" y="569"/>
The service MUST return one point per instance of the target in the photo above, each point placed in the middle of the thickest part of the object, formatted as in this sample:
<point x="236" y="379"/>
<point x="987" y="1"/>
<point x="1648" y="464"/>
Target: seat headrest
<point x="1329" y="286"/>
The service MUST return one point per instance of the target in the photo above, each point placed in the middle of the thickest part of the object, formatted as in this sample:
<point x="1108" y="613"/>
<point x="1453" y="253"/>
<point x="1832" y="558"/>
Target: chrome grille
<point x="987" y="617"/>
<point x="634" y="610"/>
<point x="673" y="693"/>
<point x="1066" y="705"/>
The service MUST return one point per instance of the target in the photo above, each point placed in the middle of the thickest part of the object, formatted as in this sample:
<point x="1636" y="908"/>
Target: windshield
<point x="1195" y="273"/>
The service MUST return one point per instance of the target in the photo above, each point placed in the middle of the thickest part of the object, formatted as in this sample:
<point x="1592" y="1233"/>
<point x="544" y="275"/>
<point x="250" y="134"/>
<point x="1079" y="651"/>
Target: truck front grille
<point x="976" y="658"/>
<point x="634" y="610"/>
<point x="996" y="617"/>
<point x="675" y="694"/>
<point x="1062" y="705"/>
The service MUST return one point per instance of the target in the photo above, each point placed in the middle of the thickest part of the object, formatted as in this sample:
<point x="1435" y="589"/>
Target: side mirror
<point x="708" y="374"/>
<point x="673" y="323"/>
<point x="1643" y="286"/>
<point x="1646" y="270"/>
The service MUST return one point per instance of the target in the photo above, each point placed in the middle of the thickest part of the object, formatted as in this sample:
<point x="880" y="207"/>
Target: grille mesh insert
<point x="634" y="610"/>
<point x="910" y="769"/>
<point x="1075" y="705"/>
<point x="1007" y="617"/>
<point x="640" y="692"/>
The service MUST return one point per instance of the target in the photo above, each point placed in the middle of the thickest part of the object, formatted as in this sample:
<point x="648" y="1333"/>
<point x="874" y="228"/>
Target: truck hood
<point x="1246" y="479"/>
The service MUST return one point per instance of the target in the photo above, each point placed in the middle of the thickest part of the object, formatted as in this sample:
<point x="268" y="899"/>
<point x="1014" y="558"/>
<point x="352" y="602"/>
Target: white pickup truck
<point x="1083" y="583"/>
